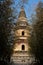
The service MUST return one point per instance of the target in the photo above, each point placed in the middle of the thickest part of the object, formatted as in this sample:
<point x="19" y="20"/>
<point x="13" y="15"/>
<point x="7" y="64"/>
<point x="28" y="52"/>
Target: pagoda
<point x="21" y="49"/>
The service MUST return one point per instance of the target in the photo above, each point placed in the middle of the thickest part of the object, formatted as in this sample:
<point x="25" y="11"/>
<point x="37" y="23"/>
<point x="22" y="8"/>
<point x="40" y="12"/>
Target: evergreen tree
<point x="36" y="40"/>
<point x="5" y="29"/>
<point x="38" y="27"/>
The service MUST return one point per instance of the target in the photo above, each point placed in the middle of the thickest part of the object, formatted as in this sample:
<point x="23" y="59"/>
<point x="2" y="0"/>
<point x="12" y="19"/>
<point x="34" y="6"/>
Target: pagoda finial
<point x="22" y="7"/>
<point x="22" y="12"/>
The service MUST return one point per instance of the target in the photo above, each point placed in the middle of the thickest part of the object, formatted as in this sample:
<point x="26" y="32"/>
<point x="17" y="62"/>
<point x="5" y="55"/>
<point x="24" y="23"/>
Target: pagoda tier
<point x="21" y="41"/>
<point x="19" y="37"/>
<point x="22" y="27"/>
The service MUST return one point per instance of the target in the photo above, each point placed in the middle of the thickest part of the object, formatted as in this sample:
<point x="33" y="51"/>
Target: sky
<point x="29" y="7"/>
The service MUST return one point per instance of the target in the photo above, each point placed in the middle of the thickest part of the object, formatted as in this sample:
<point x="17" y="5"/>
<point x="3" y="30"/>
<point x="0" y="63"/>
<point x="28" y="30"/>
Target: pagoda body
<point x="21" y="48"/>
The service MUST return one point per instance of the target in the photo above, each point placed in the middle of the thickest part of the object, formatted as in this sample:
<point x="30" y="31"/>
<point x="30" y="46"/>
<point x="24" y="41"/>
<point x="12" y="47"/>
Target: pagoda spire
<point x="22" y="13"/>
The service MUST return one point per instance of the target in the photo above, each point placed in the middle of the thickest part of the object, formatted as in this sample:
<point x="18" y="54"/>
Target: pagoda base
<point x="22" y="58"/>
